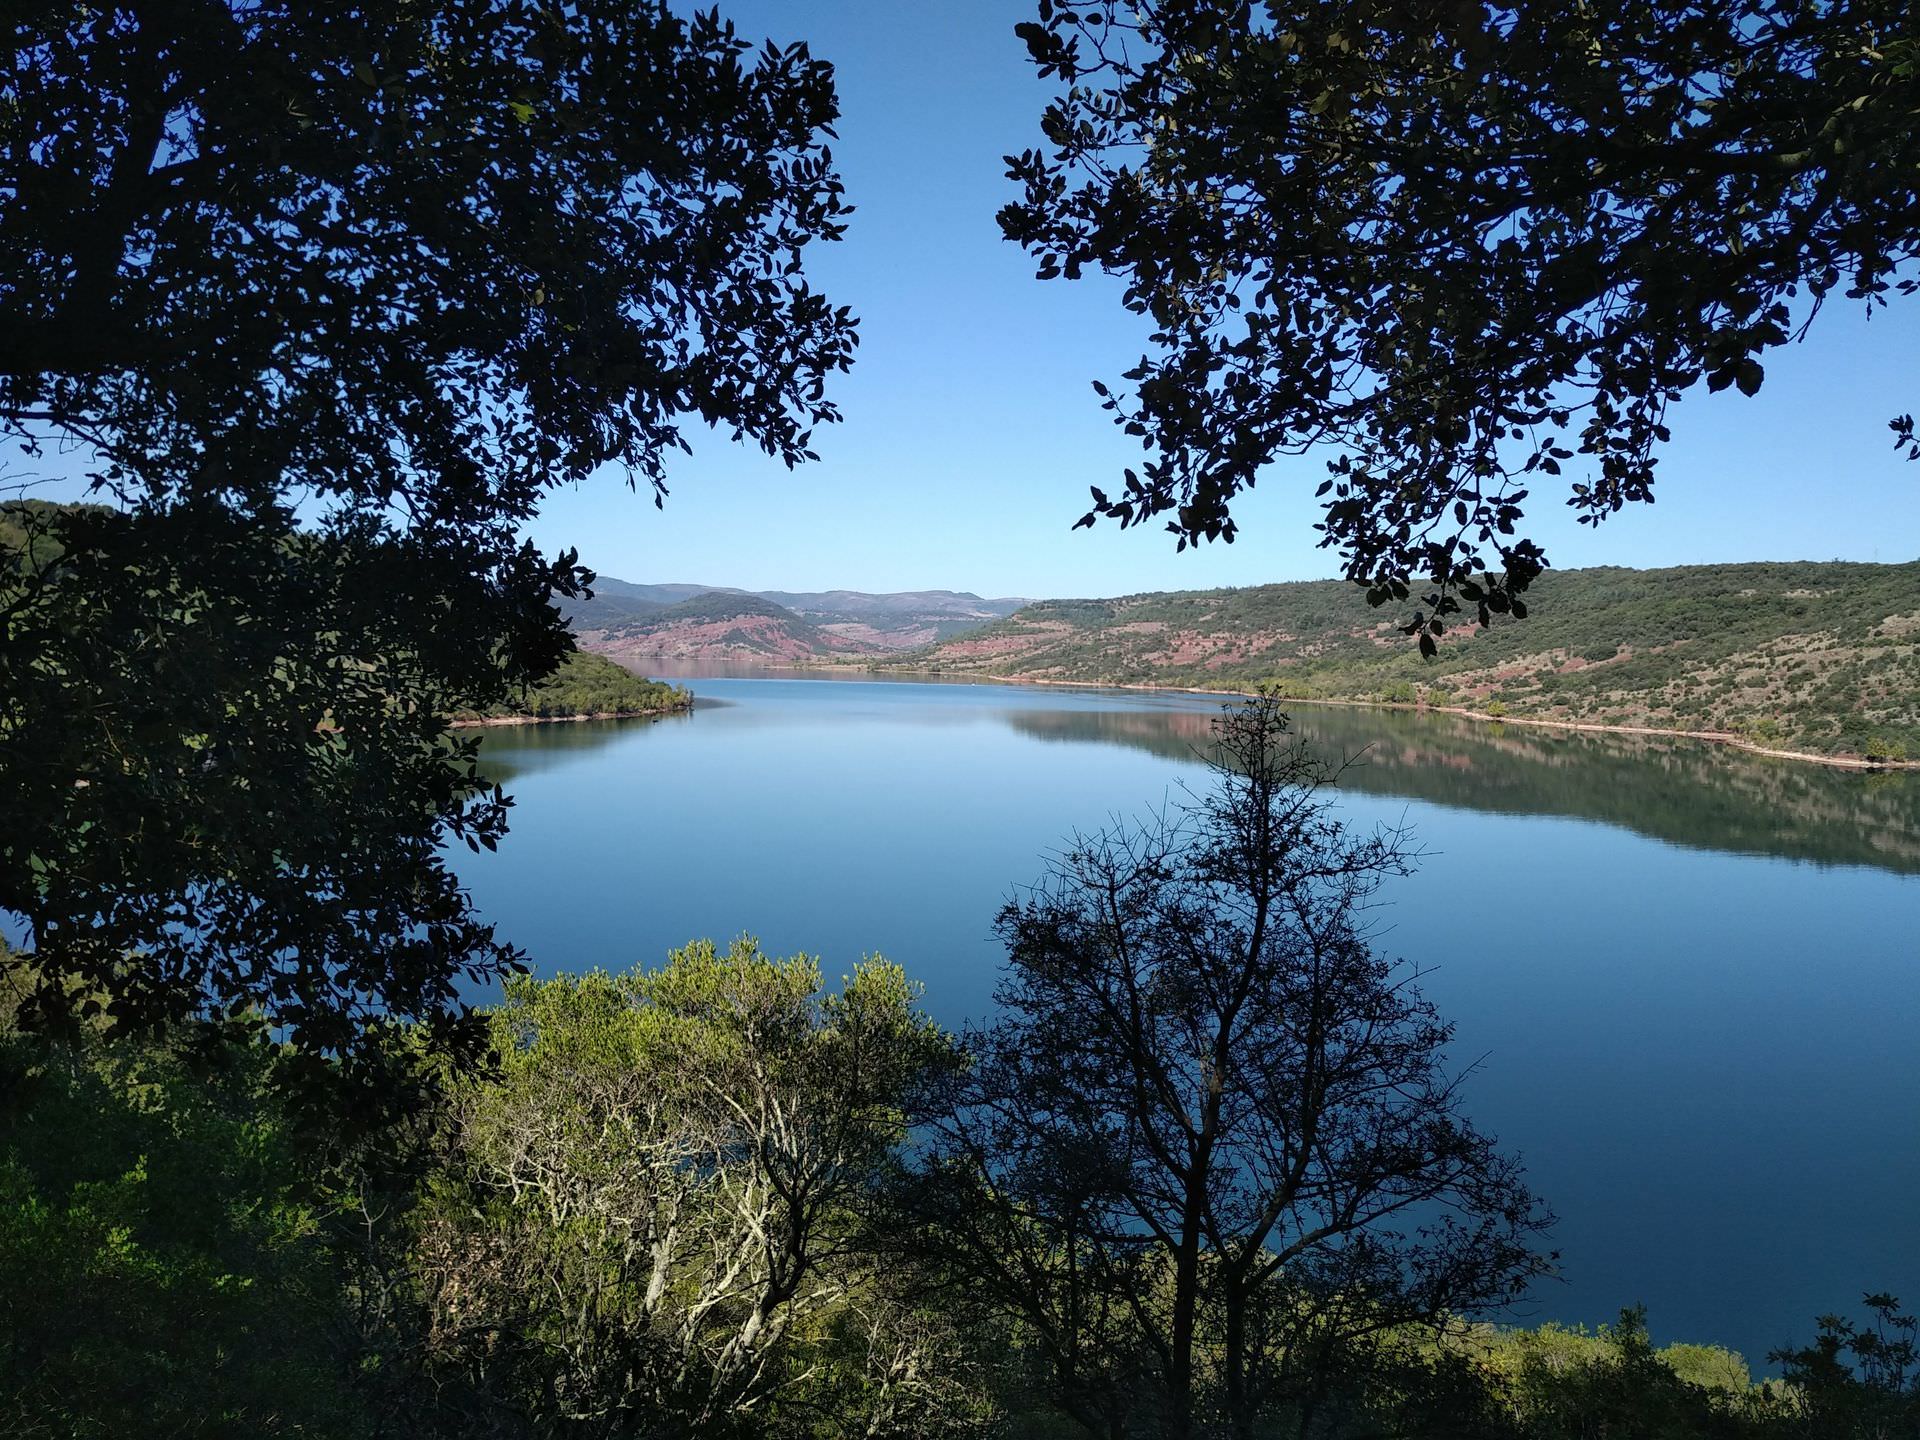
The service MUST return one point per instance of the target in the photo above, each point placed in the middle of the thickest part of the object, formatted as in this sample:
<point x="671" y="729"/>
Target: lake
<point x="1690" y="978"/>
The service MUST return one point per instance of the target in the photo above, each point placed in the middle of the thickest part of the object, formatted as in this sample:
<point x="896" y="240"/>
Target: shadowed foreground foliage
<point x="1212" y="1141"/>
<point x="164" y="1261"/>
<point x="666" y="1213"/>
<point x="324" y="300"/>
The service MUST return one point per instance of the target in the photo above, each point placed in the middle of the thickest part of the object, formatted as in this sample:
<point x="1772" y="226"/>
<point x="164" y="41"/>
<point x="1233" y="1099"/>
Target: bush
<point x="651" y="1216"/>
<point x="164" y="1266"/>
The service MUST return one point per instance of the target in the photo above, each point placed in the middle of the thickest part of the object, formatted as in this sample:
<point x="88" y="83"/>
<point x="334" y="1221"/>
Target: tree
<point x="164" y="1254"/>
<point x="1461" y="245"/>
<point x="1567" y="1383"/>
<point x="1858" y="1380"/>
<point x="326" y="299"/>
<point x="653" y="1219"/>
<point x="1211" y="1143"/>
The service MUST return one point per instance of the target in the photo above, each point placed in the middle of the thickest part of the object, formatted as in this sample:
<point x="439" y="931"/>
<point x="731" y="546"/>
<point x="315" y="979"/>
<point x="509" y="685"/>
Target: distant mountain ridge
<point x="635" y="622"/>
<point x="1817" y="657"/>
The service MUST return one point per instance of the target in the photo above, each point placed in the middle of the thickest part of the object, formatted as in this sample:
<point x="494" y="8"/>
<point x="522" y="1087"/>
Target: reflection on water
<point x="511" y="751"/>
<point x="1685" y="792"/>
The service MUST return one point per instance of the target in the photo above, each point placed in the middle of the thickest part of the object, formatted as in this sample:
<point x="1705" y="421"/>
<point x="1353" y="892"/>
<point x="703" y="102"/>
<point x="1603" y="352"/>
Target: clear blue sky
<point x="971" y="433"/>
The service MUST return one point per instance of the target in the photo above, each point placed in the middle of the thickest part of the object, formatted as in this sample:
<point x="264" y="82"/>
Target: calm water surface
<point x="1690" y="979"/>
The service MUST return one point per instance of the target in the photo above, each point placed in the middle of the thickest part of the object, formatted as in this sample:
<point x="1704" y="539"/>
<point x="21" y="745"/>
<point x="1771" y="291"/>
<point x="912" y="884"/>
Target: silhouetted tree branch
<point x="330" y="297"/>
<point x="1461" y="248"/>
<point x="1212" y="1140"/>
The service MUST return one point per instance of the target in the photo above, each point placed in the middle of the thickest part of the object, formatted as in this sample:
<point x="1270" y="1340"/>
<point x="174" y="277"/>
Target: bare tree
<point x="1212" y="1139"/>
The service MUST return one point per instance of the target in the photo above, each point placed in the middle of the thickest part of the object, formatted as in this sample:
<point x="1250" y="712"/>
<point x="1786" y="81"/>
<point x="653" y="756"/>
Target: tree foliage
<point x="164" y="1266"/>
<point x="654" y="1219"/>
<point x="1471" y="248"/>
<point x="326" y="299"/>
<point x="1859" y="1379"/>
<point x="589" y="685"/>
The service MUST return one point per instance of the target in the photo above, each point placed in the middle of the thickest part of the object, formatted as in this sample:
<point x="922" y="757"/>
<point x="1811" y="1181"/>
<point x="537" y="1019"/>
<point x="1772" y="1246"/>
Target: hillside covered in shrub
<point x="589" y="685"/>
<point x="1813" y="656"/>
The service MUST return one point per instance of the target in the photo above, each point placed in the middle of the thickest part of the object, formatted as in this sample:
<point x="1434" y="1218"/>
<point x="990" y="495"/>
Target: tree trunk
<point x="1186" y="1301"/>
<point x="1239" y="1404"/>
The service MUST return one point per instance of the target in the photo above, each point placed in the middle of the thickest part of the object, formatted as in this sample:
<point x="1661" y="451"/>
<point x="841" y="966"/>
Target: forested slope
<point x="1818" y="656"/>
<point x="589" y="685"/>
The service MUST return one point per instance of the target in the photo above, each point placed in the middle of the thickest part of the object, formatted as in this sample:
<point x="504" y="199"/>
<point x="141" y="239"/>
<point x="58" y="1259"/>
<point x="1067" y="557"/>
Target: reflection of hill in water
<point x="527" y="749"/>
<point x="1684" y="792"/>
<point x="1680" y="791"/>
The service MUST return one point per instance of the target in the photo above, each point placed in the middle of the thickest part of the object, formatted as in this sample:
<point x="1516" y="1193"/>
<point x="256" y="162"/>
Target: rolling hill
<point x="677" y="621"/>
<point x="718" y="625"/>
<point x="1822" y="657"/>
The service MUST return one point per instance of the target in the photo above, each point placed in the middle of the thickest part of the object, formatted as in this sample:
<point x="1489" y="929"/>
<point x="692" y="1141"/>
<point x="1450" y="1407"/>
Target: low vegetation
<point x="588" y="685"/>
<point x="1820" y="657"/>
<point x="172" y="1263"/>
<point x="666" y="1214"/>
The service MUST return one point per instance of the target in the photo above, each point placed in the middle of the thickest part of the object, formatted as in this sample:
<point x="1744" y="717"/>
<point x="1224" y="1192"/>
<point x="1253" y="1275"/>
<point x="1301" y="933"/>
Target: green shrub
<point x="165" y="1267"/>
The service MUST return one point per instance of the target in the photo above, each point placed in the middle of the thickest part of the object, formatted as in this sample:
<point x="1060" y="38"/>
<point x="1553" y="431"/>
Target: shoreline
<point x="1711" y="737"/>
<point x="488" y="722"/>
<point x="1725" y="738"/>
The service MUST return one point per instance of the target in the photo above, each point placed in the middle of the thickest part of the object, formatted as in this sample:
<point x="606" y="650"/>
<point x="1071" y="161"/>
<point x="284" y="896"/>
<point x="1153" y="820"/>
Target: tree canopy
<point x="326" y="299"/>
<point x="1466" y="248"/>
<point x="650" y="1222"/>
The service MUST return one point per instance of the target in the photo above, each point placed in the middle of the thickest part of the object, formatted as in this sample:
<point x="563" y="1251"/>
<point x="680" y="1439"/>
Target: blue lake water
<point x="1690" y="979"/>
